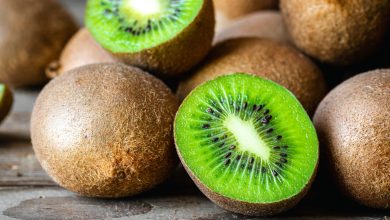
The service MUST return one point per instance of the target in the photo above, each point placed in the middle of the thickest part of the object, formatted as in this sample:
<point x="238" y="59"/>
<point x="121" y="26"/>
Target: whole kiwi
<point x="337" y="32"/>
<point x="81" y="50"/>
<point x="234" y="9"/>
<point x="266" y="24"/>
<point x="272" y="60"/>
<point x="227" y="10"/>
<point x="32" y="33"/>
<point x="353" y="126"/>
<point x="105" y="130"/>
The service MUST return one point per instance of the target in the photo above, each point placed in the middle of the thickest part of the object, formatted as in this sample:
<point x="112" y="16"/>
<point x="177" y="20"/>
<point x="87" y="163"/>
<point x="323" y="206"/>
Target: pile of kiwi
<point x="108" y="126"/>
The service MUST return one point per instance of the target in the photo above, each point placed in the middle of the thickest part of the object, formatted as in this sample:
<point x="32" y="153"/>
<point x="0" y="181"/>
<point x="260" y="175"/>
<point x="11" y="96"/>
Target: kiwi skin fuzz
<point x="46" y="28"/>
<point x="105" y="130"/>
<point x="6" y="103"/>
<point x="265" y="24"/>
<point x="272" y="60"/>
<point x="337" y="32"/>
<point x="81" y="50"/>
<point x="178" y="55"/>
<point x="234" y="9"/>
<point x="353" y="127"/>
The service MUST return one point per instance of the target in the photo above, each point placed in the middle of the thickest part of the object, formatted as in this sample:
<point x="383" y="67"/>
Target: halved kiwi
<point x="6" y="100"/>
<point x="247" y="143"/>
<point x="162" y="36"/>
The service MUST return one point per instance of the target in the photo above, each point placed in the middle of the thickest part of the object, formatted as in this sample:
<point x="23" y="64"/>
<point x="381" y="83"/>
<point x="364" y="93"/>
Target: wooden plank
<point x="165" y="202"/>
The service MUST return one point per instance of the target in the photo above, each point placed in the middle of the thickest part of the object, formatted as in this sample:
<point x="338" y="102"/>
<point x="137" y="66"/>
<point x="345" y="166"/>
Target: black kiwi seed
<point x="252" y="160"/>
<point x="232" y="147"/>
<point x="283" y="160"/>
<point x="228" y="154"/>
<point x="275" y="173"/>
<point x="266" y="112"/>
<point x="238" y="157"/>
<point x="278" y="137"/>
<point x="285" y="147"/>
<point x="270" y="130"/>
<point x="227" y="162"/>
<point x="283" y="154"/>
<point x="266" y="119"/>
<point x="215" y="139"/>
<point x="210" y="110"/>
<point x="206" y="126"/>
<point x="221" y="145"/>
<point x="263" y="170"/>
<point x="276" y="147"/>
<point x="245" y="105"/>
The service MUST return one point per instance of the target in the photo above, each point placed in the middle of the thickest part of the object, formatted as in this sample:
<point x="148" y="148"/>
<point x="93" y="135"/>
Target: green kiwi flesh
<point x="155" y="35"/>
<point x="248" y="144"/>
<point x="133" y="25"/>
<point x="6" y="100"/>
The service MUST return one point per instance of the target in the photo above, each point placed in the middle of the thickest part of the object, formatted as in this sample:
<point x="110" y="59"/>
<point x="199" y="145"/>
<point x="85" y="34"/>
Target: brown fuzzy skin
<point x="233" y="8"/>
<point x="32" y="33"/>
<point x="81" y="50"/>
<point x="272" y="60"/>
<point x="338" y="32"/>
<point x="178" y="55"/>
<point x="265" y="24"/>
<point x="6" y="103"/>
<point x="246" y="208"/>
<point x="105" y="130"/>
<point x="353" y="126"/>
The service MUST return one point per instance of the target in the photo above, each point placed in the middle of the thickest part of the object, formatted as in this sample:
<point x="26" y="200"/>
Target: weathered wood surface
<point x="26" y="192"/>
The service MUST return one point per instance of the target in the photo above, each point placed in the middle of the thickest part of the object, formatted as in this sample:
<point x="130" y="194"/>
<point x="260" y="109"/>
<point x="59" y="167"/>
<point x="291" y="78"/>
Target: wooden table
<point x="26" y="192"/>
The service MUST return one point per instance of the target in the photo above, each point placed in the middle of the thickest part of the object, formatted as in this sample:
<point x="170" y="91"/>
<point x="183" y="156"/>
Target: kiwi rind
<point x="243" y="207"/>
<point x="117" y="140"/>
<point x="6" y="102"/>
<point x="273" y="60"/>
<point x="175" y="57"/>
<point x="251" y="209"/>
<point x="337" y="32"/>
<point x="266" y="24"/>
<point x="46" y="28"/>
<point x="81" y="50"/>
<point x="352" y="124"/>
<point x="234" y="9"/>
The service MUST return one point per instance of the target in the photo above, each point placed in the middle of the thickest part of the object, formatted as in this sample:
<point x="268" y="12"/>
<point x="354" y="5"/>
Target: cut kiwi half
<point x="247" y="143"/>
<point x="153" y="34"/>
<point x="6" y="100"/>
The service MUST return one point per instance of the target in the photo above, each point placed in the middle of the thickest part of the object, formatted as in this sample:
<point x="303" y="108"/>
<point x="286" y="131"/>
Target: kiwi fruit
<point x="105" y="130"/>
<point x="337" y="32"/>
<point x="227" y="10"/>
<point x="6" y="100"/>
<point x="166" y="38"/>
<point x="272" y="60"/>
<point x="265" y="24"/>
<point x="32" y="33"/>
<point x="353" y="127"/>
<point x="235" y="9"/>
<point x="247" y="143"/>
<point x="81" y="50"/>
